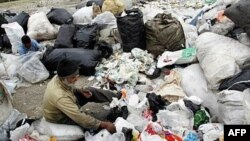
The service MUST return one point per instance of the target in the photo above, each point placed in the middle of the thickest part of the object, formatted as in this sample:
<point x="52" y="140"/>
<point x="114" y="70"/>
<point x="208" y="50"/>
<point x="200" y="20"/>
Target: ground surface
<point x="29" y="100"/>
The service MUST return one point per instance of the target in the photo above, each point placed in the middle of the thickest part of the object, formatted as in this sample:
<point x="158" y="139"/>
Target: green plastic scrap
<point x="188" y="52"/>
<point x="210" y="1"/>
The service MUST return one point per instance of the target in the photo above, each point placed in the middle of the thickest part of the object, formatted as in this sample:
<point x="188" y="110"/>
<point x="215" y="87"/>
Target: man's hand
<point x="86" y="93"/>
<point x="108" y="126"/>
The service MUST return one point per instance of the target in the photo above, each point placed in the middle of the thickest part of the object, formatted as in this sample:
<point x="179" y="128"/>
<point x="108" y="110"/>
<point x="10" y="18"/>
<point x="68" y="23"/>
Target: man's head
<point x="67" y="72"/>
<point x="26" y="41"/>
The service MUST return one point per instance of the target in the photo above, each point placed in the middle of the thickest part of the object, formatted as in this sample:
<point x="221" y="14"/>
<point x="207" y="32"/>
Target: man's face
<point x="71" y="80"/>
<point x="27" y="45"/>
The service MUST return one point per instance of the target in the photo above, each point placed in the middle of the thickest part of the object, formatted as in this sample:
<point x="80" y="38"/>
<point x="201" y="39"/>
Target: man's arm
<point x="21" y="50"/>
<point x="69" y="108"/>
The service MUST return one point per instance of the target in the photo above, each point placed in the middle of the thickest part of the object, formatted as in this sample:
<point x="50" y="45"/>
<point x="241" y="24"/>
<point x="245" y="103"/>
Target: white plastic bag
<point x="10" y="64"/>
<point x="83" y="15"/>
<point x="184" y="56"/>
<point x="194" y="83"/>
<point x="191" y="34"/>
<point x="246" y="103"/>
<point x="19" y="132"/>
<point x="106" y="18"/>
<point x="231" y="107"/>
<point x="14" y="32"/>
<point x="101" y="136"/>
<point x="39" y="27"/>
<point x="178" y="118"/>
<point x="211" y="131"/>
<point x="220" y="57"/>
<point x="31" y="68"/>
<point x="60" y="131"/>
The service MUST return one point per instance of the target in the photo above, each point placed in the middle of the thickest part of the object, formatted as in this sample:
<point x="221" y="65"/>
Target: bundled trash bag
<point x="65" y="36"/>
<point x="97" y="2"/>
<point x="83" y="15"/>
<point x="193" y="76"/>
<point x="238" y="13"/>
<point x="86" y="59"/>
<point x="132" y="30"/>
<point x="239" y="82"/>
<point x="2" y="21"/>
<point x="220" y="57"/>
<point x="22" y="19"/>
<point x="114" y="6"/>
<point x="31" y="68"/>
<point x="86" y="37"/>
<point x="231" y="107"/>
<point x="59" y="131"/>
<point x="164" y="32"/>
<point x="14" y="32"/>
<point x="39" y="27"/>
<point x="59" y="16"/>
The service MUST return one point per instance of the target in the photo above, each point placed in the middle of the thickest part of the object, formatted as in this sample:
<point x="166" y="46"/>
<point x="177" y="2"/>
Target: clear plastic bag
<point x="31" y="68"/>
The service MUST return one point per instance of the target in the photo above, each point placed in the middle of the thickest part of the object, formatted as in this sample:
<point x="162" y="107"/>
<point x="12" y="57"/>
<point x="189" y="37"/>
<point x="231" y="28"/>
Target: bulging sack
<point x="65" y="36"/>
<point x="164" y="32"/>
<point x="132" y="30"/>
<point x="22" y="19"/>
<point x="59" y="16"/>
<point x="14" y="32"/>
<point x="39" y="27"/>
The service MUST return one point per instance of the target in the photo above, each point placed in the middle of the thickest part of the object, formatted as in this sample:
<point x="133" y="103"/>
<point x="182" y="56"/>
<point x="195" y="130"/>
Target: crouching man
<point x="62" y="102"/>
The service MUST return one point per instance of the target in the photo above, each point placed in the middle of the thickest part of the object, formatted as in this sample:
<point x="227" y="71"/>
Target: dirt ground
<point x="29" y="100"/>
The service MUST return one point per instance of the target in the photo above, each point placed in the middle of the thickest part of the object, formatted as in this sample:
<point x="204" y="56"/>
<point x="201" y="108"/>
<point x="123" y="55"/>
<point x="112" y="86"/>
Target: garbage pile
<point x="182" y="66"/>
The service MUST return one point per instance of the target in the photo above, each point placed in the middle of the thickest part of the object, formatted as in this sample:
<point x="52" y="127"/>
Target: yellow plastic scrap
<point x="114" y="6"/>
<point x="53" y="139"/>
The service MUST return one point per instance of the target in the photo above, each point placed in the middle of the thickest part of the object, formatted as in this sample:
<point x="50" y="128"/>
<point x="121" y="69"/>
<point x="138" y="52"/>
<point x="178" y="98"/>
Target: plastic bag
<point x="107" y="19"/>
<point x="211" y="131"/>
<point x="2" y="21"/>
<point x="178" y="118"/>
<point x="10" y="64"/>
<point x="231" y="107"/>
<point x="184" y="56"/>
<point x="60" y="131"/>
<point x="31" y="68"/>
<point x="194" y="84"/>
<point x="164" y="32"/>
<point x="65" y="36"/>
<point x="133" y="22"/>
<point x="220" y="57"/>
<point x="86" y="37"/>
<point x="83" y="15"/>
<point x="246" y="103"/>
<point x="39" y="27"/>
<point x="59" y="16"/>
<point x="114" y="6"/>
<point x="22" y="19"/>
<point x="19" y="132"/>
<point x="15" y="33"/>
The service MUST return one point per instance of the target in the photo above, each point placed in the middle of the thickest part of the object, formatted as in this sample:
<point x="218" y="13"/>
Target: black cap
<point x="66" y="68"/>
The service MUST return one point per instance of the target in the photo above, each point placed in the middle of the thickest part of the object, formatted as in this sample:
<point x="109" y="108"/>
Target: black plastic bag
<point x="128" y="133"/>
<point x="2" y="21"/>
<point x="22" y="19"/>
<point x="106" y="49"/>
<point x="6" y="41"/>
<point x="65" y="36"/>
<point x="239" y="13"/>
<point x="239" y="82"/>
<point x="156" y="103"/>
<point x="117" y="112"/>
<point x="97" y="2"/>
<point x="86" y="59"/>
<point x="156" y="74"/>
<point x="132" y="31"/>
<point x="193" y="107"/>
<point x="86" y="36"/>
<point x="59" y="16"/>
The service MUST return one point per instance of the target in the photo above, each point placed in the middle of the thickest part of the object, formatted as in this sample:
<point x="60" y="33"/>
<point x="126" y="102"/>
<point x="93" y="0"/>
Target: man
<point x="62" y="102"/>
<point x="28" y="45"/>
